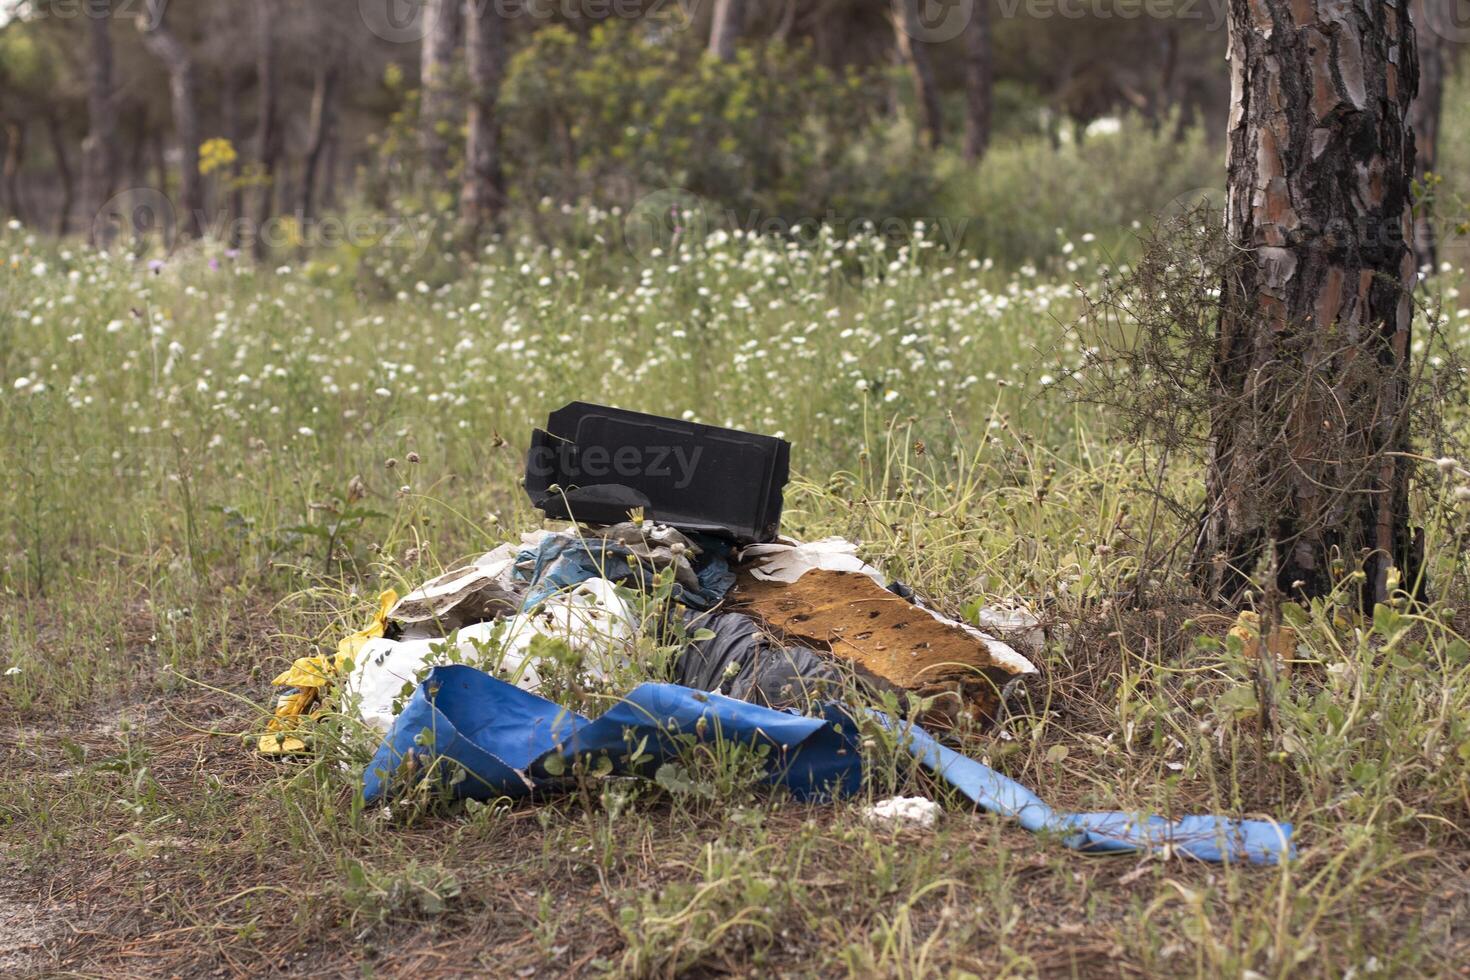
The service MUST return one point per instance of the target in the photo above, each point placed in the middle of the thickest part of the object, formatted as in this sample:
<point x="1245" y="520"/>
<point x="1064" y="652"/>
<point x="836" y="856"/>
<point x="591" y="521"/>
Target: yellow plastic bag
<point x="310" y="675"/>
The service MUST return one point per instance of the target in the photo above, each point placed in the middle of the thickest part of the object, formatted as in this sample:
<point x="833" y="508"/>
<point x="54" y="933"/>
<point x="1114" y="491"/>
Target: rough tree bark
<point x="1311" y="376"/>
<point x="908" y="33"/>
<point x="482" y="195"/>
<point x="99" y="149"/>
<point x="323" y="119"/>
<point x="724" y="28"/>
<point x="267" y="131"/>
<point x="1431" y="23"/>
<point x="164" y="45"/>
<point x="979" y="78"/>
<point x="59" y="155"/>
<point x="443" y="22"/>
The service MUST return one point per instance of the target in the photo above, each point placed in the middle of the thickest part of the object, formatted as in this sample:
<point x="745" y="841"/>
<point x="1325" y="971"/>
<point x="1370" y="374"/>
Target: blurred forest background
<point x="1015" y="125"/>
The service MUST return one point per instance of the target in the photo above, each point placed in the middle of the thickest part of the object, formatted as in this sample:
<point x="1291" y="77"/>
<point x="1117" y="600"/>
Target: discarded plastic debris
<point x="850" y="615"/>
<point x="482" y="590"/>
<point x="630" y="553"/>
<point x="591" y="618"/>
<point x="787" y="560"/>
<point x="501" y="741"/>
<point x="904" y="811"/>
<point x="743" y="661"/>
<point x="308" y="676"/>
<point x="595" y="464"/>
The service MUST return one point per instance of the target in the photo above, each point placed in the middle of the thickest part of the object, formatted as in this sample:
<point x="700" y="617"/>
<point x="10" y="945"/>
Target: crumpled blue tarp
<point x="561" y="561"/>
<point x="501" y="737"/>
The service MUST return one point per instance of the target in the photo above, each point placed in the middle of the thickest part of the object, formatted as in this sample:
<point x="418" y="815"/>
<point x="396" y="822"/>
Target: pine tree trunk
<point x="1431" y="24"/>
<point x="482" y="196"/>
<point x="1311" y="375"/>
<point x="267" y="130"/>
<point x="164" y="45"/>
<point x="725" y="28"/>
<point x="323" y="119"/>
<point x="99" y="149"/>
<point x="63" y="171"/>
<point x="979" y="78"/>
<point x="908" y="33"/>
<point x="436" y="90"/>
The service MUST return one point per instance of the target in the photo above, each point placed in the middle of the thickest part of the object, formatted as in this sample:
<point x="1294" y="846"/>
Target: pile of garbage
<point x="673" y="532"/>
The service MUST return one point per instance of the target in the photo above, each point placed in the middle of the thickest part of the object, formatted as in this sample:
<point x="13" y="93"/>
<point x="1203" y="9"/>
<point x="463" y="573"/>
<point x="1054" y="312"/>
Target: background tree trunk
<point x="483" y="195"/>
<point x="99" y="149"/>
<point x="436" y="91"/>
<point x="63" y="172"/>
<point x="168" y="49"/>
<point x="15" y="151"/>
<point x="230" y="120"/>
<point x="267" y="132"/>
<point x="979" y="78"/>
<point x="323" y="118"/>
<point x="725" y="28"/>
<point x="1428" y="110"/>
<point x="907" y="32"/>
<point x="1311" y="374"/>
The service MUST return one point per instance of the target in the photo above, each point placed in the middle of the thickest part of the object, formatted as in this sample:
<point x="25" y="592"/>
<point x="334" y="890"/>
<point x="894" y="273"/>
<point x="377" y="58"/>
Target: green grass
<point x="176" y="528"/>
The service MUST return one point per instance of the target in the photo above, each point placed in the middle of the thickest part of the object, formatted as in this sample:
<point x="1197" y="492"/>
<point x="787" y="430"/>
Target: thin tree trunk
<point x="1311" y="374"/>
<point x="267" y="130"/>
<point x="436" y="91"/>
<point x="908" y="33"/>
<point x="64" y="172"/>
<point x="230" y="119"/>
<point x="725" y="28"/>
<point x="323" y="118"/>
<point x="159" y="155"/>
<point x="137" y="148"/>
<point x="1431" y="24"/>
<point x="329" y="171"/>
<point x="99" y="149"/>
<point x="482" y="196"/>
<point x="15" y="151"/>
<point x="979" y="79"/>
<point x="164" y="45"/>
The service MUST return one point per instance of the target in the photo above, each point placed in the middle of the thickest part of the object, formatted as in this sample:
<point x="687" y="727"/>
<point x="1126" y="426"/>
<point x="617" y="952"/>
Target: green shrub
<point x="772" y="134"/>
<point x="1029" y="197"/>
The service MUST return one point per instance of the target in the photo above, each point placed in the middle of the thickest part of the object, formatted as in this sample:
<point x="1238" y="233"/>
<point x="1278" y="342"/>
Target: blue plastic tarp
<point x="506" y="742"/>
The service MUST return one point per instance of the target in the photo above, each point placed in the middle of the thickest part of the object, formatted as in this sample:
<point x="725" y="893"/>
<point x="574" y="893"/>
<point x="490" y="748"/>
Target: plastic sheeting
<point x="505" y="742"/>
<point x="743" y="661"/>
<point x="590" y="617"/>
<point x="561" y="560"/>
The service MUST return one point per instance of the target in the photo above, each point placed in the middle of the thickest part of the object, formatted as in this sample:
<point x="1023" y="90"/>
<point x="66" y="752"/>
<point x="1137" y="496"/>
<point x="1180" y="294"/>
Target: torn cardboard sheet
<point x="853" y="617"/>
<point x="788" y="560"/>
<point x="458" y="598"/>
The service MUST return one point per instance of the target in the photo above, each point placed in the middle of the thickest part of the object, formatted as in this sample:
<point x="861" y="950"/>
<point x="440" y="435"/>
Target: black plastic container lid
<point x="607" y="461"/>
